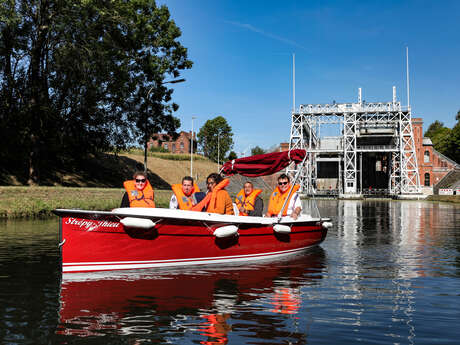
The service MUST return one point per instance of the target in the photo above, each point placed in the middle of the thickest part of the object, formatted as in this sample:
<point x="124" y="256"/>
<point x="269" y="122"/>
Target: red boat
<point x="138" y="238"/>
<point x="103" y="302"/>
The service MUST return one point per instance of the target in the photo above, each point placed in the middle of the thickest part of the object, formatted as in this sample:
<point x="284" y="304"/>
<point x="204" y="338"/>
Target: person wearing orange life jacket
<point x="279" y="196"/>
<point x="248" y="201"/>
<point x="217" y="199"/>
<point x="186" y="195"/>
<point x="139" y="192"/>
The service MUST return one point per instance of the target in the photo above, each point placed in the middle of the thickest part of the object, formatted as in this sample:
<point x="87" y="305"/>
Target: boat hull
<point x="99" y="241"/>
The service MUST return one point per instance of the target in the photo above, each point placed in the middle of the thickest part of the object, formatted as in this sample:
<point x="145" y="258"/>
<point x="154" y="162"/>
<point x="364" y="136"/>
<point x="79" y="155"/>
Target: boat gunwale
<point x="154" y="213"/>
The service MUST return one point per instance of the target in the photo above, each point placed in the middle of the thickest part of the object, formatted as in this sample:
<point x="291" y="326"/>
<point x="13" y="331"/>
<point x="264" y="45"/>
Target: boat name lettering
<point x="90" y="225"/>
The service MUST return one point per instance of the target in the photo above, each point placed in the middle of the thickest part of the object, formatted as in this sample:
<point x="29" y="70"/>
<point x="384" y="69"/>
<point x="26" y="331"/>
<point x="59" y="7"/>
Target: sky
<point x="243" y="66"/>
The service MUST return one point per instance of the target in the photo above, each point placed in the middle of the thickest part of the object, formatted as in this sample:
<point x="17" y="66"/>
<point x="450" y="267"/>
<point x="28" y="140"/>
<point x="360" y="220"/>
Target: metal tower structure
<point x="357" y="121"/>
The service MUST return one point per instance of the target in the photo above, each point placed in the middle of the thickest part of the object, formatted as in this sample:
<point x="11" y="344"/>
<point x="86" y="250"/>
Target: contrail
<point x="266" y="34"/>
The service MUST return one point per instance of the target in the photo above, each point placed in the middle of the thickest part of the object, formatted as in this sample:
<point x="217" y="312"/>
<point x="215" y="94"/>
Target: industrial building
<point x="356" y="149"/>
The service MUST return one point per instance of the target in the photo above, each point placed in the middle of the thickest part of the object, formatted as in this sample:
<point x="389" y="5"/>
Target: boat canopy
<point x="262" y="165"/>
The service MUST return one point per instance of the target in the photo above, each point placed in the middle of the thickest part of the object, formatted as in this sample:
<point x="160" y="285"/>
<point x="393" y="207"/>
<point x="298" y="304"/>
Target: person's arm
<point x="295" y="206"/>
<point x="258" y="208"/>
<point x="125" y="200"/>
<point x="173" y="203"/>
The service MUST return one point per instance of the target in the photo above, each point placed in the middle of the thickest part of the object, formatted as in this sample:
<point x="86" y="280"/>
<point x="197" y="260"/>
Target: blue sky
<point x="242" y="54"/>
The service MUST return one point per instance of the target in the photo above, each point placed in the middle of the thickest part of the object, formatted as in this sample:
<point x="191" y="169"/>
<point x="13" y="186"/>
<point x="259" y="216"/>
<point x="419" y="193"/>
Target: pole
<point x="407" y="76"/>
<point x="293" y="83"/>
<point x="218" y="151"/>
<point x="191" y="150"/>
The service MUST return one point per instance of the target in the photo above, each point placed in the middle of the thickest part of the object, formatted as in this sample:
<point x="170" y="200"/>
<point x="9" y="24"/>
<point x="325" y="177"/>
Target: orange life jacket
<point x="277" y="200"/>
<point x="185" y="202"/>
<point x="247" y="202"/>
<point x="209" y="201"/>
<point x="139" y="198"/>
<point x="286" y="301"/>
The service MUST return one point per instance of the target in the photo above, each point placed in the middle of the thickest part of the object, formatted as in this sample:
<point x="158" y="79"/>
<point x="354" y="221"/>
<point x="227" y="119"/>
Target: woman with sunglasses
<point x="139" y="192"/>
<point x="279" y="196"/>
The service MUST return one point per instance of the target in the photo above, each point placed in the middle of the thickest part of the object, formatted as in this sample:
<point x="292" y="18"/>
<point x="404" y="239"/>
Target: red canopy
<point x="261" y="165"/>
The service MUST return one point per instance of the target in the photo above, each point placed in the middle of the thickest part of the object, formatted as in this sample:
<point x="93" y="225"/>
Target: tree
<point x="434" y="128"/>
<point x="439" y="135"/>
<point x="232" y="155"/>
<point x="75" y="76"/>
<point x="257" y="151"/>
<point x="215" y="138"/>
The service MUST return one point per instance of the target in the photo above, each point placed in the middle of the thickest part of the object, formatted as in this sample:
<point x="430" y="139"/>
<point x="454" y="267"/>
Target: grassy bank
<point x="446" y="198"/>
<point x="36" y="202"/>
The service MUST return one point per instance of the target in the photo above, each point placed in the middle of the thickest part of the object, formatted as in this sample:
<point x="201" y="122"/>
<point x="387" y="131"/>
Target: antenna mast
<point x="407" y="77"/>
<point x="293" y="83"/>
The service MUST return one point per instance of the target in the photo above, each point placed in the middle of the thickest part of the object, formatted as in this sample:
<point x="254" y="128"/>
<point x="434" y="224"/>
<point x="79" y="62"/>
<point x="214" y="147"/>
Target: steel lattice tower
<point x="355" y="119"/>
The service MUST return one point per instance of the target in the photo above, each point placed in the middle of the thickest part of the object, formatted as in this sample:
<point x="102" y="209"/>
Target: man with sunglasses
<point x="139" y="192"/>
<point x="278" y="198"/>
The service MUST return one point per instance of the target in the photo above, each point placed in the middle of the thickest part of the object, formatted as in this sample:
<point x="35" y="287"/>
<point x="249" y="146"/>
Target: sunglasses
<point x="283" y="183"/>
<point x="140" y="180"/>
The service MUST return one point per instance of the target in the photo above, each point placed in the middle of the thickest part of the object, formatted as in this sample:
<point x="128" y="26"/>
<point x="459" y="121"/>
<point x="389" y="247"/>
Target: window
<point x="427" y="179"/>
<point x="182" y="146"/>
<point x="426" y="156"/>
<point x="173" y="147"/>
<point x="166" y="146"/>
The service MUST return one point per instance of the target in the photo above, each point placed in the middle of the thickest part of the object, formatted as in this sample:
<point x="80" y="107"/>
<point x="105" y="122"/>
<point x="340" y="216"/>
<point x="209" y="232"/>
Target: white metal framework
<point x="355" y="121"/>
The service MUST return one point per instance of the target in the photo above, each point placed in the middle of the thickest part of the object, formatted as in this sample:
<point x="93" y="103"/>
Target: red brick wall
<point x="435" y="166"/>
<point x="181" y="145"/>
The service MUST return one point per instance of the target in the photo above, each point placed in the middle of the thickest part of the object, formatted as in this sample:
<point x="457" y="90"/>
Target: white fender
<point x="281" y="228"/>
<point x="226" y="231"/>
<point x="138" y="223"/>
<point x="326" y="225"/>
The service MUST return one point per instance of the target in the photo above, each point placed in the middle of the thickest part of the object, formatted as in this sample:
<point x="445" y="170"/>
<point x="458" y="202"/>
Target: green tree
<point x="75" y="76"/>
<point x="453" y="148"/>
<point x="232" y="155"/>
<point x="257" y="151"/>
<point x="215" y="138"/>
<point x="439" y="135"/>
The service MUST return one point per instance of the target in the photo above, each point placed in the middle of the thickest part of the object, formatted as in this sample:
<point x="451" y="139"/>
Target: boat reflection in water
<point x="164" y="305"/>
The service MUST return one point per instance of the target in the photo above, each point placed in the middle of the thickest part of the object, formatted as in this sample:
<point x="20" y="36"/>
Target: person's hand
<point x="294" y="215"/>
<point x="242" y="210"/>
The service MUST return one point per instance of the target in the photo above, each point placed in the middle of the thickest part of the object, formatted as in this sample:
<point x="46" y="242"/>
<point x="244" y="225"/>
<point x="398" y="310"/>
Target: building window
<point x="182" y="146"/>
<point x="173" y="147"/>
<point x="426" y="156"/>
<point x="166" y="146"/>
<point x="427" y="179"/>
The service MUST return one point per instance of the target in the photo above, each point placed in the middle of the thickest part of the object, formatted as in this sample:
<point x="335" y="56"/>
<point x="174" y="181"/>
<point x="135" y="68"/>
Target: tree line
<point x="446" y="140"/>
<point x="82" y="77"/>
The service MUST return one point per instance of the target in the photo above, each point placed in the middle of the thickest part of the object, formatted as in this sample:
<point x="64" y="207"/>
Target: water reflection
<point x="388" y="272"/>
<point x="209" y="301"/>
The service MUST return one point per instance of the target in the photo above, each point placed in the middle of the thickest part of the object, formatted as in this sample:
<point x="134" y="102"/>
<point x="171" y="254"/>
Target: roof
<point x="455" y="164"/>
<point x="427" y="141"/>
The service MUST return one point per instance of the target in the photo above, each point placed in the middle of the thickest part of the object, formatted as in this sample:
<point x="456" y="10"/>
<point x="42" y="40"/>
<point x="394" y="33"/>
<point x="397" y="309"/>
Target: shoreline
<point x="39" y="202"/>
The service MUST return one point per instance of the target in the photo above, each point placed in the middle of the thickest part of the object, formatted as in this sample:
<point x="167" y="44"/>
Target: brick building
<point x="180" y="145"/>
<point x="432" y="165"/>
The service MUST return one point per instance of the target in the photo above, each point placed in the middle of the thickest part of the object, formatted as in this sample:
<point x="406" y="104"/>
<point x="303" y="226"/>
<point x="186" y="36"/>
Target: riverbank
<point x="444" y="198"/>
<point x="38" y="202"/>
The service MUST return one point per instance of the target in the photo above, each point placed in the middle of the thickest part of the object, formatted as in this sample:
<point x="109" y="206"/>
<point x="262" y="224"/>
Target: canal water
<point x="388" y="273"/>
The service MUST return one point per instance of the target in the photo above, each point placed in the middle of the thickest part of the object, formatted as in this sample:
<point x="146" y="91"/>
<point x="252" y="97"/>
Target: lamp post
<point x="148" y="102"/>
<point x="191" y="150"/>
<point x="218" y="151"/>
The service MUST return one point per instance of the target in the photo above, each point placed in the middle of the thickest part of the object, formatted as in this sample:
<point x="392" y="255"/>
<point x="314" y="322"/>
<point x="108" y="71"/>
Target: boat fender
<point x="138" y="223"/>
<point x="326" y="225"/>
<point x="226" y="231"/>
<point x="281" y="228"/>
